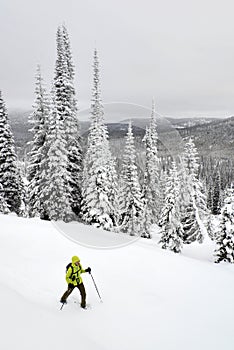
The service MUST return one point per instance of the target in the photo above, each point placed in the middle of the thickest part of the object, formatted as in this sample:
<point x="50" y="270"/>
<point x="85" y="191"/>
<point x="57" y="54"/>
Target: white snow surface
<point x="152" y="298"/>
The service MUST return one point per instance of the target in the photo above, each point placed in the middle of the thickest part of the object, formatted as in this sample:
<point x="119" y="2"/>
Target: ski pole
<point x="96" y="287"/>
<point x="62" y="306"/>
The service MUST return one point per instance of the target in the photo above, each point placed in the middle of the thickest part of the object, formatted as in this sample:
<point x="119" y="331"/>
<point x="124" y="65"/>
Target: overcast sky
<point x="179" y="51"/>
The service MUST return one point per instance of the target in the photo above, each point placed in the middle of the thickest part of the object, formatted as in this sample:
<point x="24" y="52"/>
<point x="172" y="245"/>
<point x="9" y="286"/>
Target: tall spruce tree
<point x="99" y="190"/>
<point x="74" y="141"/>
<point x="56" y="192"/>
<point x="191" y="228"/>
<point x="39" y="121"/>
<point x="188" y="211"/>
<point x="151" y="176"/>
<point x="194" y="187"/>
<point x="130" y="200"/>
<point x="12" y="189"/>
<point x="225" y="237"/>
<point x="170" y="221"/>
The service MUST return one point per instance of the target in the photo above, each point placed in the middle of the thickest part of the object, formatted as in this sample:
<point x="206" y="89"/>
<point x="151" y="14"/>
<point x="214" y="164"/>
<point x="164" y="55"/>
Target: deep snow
<point x="152" y="299"/>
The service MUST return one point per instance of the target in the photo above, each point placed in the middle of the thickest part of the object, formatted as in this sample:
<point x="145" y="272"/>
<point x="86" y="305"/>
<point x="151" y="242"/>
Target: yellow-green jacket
<point x="74" y="272"/>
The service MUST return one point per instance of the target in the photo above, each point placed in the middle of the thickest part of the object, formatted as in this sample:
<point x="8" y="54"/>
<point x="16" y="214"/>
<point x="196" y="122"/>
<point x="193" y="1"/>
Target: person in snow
<point x="74" y="279"/>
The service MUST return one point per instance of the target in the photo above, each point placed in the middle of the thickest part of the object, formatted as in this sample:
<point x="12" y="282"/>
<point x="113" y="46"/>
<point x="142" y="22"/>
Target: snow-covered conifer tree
<point x="10" y="178"/>
<point x="151" y="176"/>
<point x="75" y="153"/>
<point x="172" y="231"/>
<point x="191" y="229"/>
<point x="225" y="237"/>
<point x="39" y="121"/>
<point x="162" y="189"/>
<point x="65" y="103"/>
<point x="3" y="205"/>
<point x="210" y="193"/>
<point x="216" y="200"/>
<point x="131" y="203"/>
<point x="62" y="145"/>
<point x="56" y="192"/>
<point x="99" y="190"/>
<point x="211" y="227"/>
<point x="195" y="189"/>
<point x="61" y="86"/>
<point x="188" y="210"/>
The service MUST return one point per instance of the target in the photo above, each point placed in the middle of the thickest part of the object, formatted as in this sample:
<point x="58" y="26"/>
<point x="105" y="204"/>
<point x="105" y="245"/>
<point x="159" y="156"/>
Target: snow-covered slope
<point x="152" y="299"/>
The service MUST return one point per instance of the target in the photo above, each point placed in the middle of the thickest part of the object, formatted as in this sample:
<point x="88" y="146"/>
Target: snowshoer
<point x="73" y="278"/>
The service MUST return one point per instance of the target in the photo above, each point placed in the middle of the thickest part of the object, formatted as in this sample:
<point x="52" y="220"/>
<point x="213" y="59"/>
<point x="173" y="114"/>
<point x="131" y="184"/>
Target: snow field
<point x="152" y="299"/>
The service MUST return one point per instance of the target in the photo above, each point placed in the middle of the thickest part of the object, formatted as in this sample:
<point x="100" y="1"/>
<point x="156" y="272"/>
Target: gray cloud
<point x="180" y="51"/>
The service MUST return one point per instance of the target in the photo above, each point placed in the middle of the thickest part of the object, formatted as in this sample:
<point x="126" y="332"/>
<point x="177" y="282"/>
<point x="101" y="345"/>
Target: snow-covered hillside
<point x="152" y="299"/>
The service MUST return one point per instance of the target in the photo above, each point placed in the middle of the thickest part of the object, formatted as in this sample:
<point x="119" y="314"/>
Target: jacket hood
<point x="75" y="259"/>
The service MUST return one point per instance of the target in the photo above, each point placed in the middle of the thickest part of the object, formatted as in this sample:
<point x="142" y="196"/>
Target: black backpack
<point x="73" y="276"/>
<point x="67" y="267"/>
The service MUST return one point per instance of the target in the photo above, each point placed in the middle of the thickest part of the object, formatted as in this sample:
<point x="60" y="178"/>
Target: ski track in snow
<point x="152" y="298"/>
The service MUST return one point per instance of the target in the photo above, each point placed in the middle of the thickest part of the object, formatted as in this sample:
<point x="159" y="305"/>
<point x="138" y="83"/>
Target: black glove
<point x="73" y="278"/>
<point x="88" y="270"/>
<point x="70" y="285"/>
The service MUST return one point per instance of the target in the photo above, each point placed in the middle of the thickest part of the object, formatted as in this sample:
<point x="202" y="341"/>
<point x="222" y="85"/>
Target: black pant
<point x="82" y="293"/>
